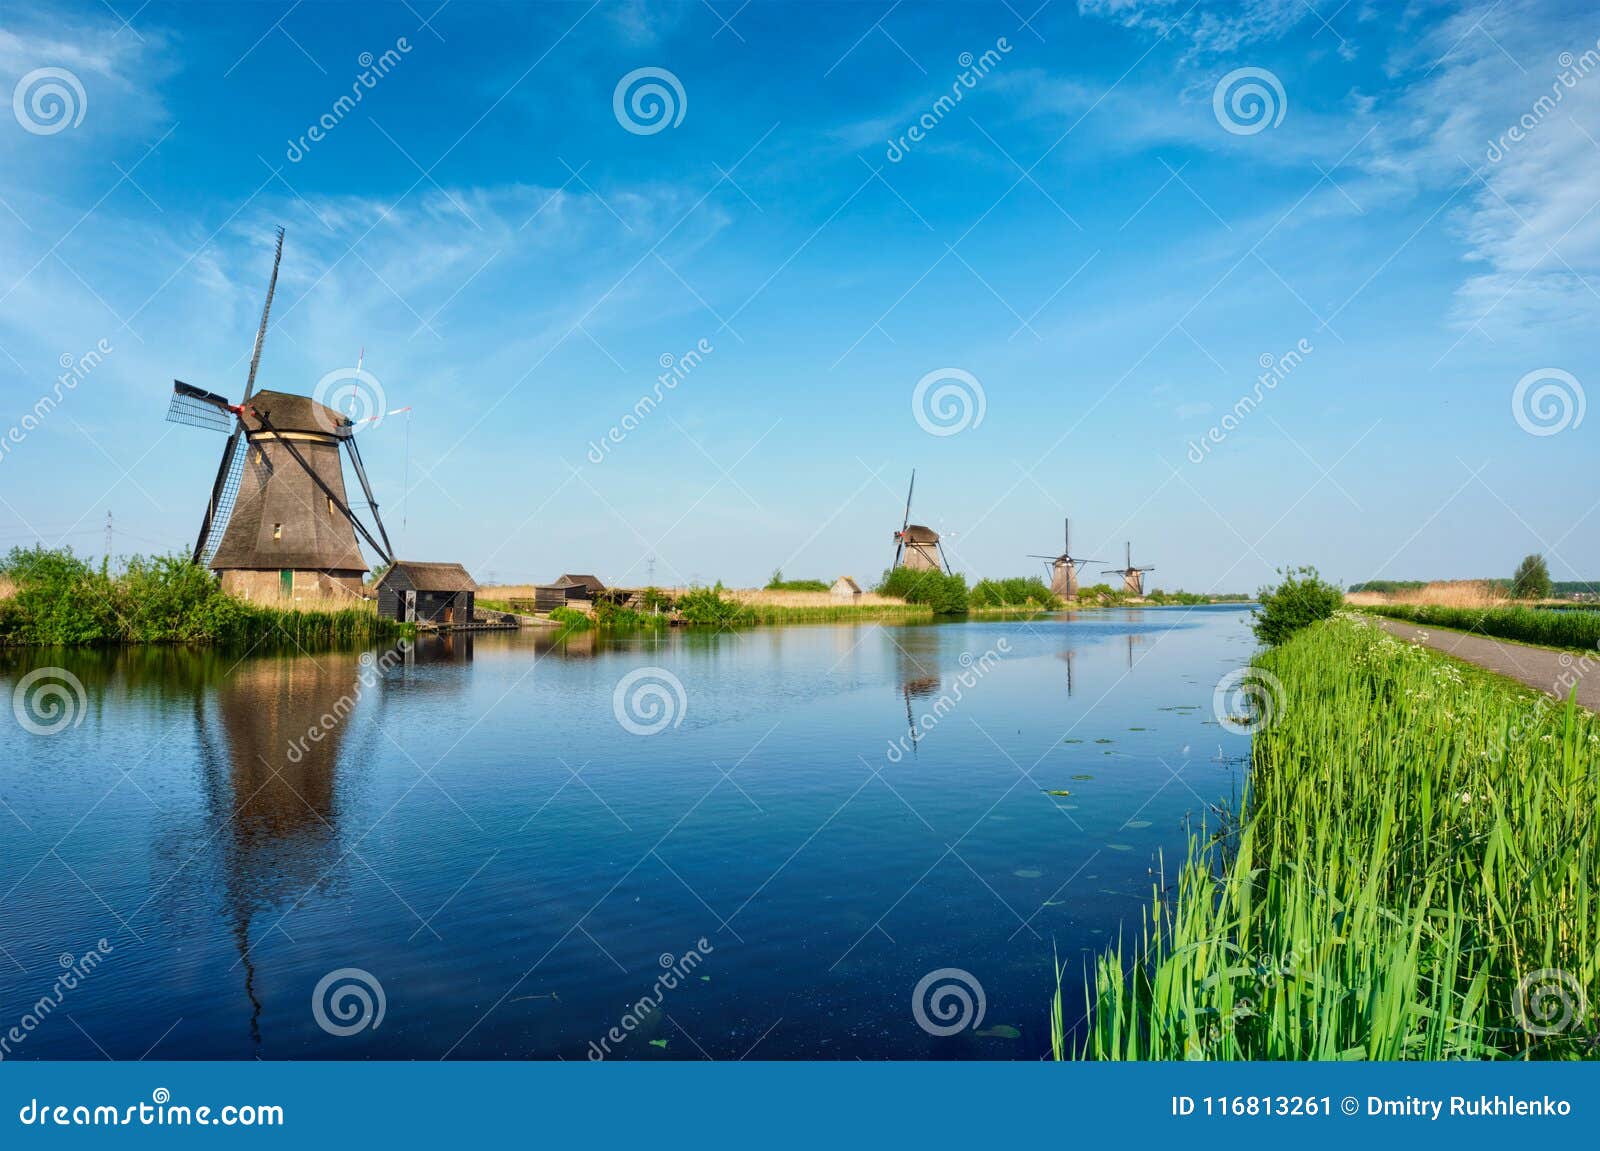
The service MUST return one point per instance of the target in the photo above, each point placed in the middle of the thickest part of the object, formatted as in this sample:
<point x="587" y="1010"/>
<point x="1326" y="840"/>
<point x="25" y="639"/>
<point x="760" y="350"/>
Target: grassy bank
<point x="56" y="599"/>
<point x="1568" y="628"/>
<point x="1418" y="857"/>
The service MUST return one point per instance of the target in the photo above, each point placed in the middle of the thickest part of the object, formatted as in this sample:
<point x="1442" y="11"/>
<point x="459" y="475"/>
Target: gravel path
<point x="1552" y="672"/>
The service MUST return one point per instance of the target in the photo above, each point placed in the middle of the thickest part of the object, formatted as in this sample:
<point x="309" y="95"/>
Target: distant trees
<point x="1531" y="579"/>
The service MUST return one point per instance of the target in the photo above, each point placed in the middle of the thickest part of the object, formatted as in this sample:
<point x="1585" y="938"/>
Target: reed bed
<point x="1571" y="628"/>
<point x="1445" y="593"/>
<point x="1415" y="876"/>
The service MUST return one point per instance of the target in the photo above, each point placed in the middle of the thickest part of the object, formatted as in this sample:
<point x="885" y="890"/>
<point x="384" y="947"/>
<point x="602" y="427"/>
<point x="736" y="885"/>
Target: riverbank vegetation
<point x="1414" y="876"/>
<point x="1570" y="628"/>
<point x="778" y="583"/>
<point x="55" y="598"/>
<point x="1026" y="592"/>
<point x="1298" y="600"/>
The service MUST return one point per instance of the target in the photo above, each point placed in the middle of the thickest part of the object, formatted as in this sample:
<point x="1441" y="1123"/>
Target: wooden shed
<point x="845" y="588"/>
<point x="585" y="587"/>
<point x="415" y="592"/>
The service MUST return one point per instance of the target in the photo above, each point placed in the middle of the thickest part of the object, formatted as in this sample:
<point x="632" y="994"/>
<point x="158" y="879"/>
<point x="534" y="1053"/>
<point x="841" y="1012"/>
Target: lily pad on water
<point x="1072" y="741"/>
<point x="1027" y="873"/>
<point x="658" y="1043"/>
<point x="1057" y="791"/>
<point x="1118" y="847"/>
<point x="999" y="1031"/>
<point x="1136" y="824"/>
<point x="1138" y="729"/>
<point x="1083" y="777"/>
<point x="1105" y="741"/>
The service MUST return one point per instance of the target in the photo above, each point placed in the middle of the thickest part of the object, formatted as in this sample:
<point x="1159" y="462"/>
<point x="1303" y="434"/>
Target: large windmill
<point x="1064" y="567"/>
<point x="278" y="524"/>
<point x="916" y="546"/>
<point x="1132" y="577"/>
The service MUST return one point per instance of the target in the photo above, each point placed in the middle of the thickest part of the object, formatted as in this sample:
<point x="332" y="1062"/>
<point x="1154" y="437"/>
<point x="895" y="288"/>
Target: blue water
<point x="478" y="833"/>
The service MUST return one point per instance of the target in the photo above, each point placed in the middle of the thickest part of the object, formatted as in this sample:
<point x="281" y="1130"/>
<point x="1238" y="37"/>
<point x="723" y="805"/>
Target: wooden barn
<point x="584" y="587"/>
<point x="437" y="593"/>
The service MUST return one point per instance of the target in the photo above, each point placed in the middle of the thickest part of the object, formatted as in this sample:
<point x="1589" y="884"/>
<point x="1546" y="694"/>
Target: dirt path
<point x="1552" y="672"/>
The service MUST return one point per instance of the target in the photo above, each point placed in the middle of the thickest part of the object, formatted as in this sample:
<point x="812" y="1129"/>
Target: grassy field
<point x="1415" y="876"/>
<point x="1567" y="628"/>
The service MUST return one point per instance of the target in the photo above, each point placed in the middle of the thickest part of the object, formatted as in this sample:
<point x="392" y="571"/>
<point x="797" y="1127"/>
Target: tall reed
<point x="1571" y="627"/>
<point x="1416" y="876"/>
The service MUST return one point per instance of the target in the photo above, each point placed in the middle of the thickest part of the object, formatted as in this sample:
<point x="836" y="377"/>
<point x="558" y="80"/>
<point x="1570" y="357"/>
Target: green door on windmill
<point x="286" y="583"/>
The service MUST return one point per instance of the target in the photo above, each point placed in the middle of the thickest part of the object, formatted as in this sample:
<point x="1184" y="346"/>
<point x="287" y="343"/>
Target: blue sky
<point x="1087" y="239"/>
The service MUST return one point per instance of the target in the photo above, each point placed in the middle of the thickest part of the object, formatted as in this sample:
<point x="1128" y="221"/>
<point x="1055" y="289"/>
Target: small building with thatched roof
<point x="584" y="587"/>
<point x="845" y="588"/>
<point x="427" y="592"/>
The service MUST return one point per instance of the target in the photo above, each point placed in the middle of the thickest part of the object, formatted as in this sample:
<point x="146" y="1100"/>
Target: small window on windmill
<point x="330" y="506"/>
<point x="277" y="531"/>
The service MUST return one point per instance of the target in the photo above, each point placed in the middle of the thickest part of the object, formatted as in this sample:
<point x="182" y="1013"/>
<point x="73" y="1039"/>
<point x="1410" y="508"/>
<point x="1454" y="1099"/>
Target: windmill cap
<point x="291" y="413"/>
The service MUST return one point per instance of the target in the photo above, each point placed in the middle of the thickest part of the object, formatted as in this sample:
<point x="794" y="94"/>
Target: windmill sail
<point x="223" y="493"/>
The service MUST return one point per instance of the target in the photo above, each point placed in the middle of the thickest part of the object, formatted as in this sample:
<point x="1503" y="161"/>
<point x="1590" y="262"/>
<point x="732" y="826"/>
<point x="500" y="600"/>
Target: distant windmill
<point x="278" y="522"/>
<point x="1132" y="577"/>
<point x="916" y="546"/>
<point x="1064" y="567"/>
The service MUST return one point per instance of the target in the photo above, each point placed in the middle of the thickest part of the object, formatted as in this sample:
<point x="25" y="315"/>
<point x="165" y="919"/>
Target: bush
<point x="1018" y="591"/>
<point x="778" y="583"/>
<point x="1532" y="579"/>
<point x="1301" y="599"/>
<point x="705" y="605"/>
<point x="945" y="594"/>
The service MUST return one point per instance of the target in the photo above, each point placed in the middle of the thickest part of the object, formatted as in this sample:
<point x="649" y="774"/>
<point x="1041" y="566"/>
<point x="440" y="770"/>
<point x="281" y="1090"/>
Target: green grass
<point x="1418" y="839"/>
<point x="60" y="600"/>
<point x="841" y="613"/>
<point x="1018" y="591"/>
<point x="1569" y="628"/>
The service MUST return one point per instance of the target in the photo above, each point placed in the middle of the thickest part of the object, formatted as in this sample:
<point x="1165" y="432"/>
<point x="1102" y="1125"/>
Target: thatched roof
<point x="918" y="534"/>
<point x="592" y="582"/>
<point x="289" y="413"/>
<point x="418" y="576"/>
<point x="846" y="584"/>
